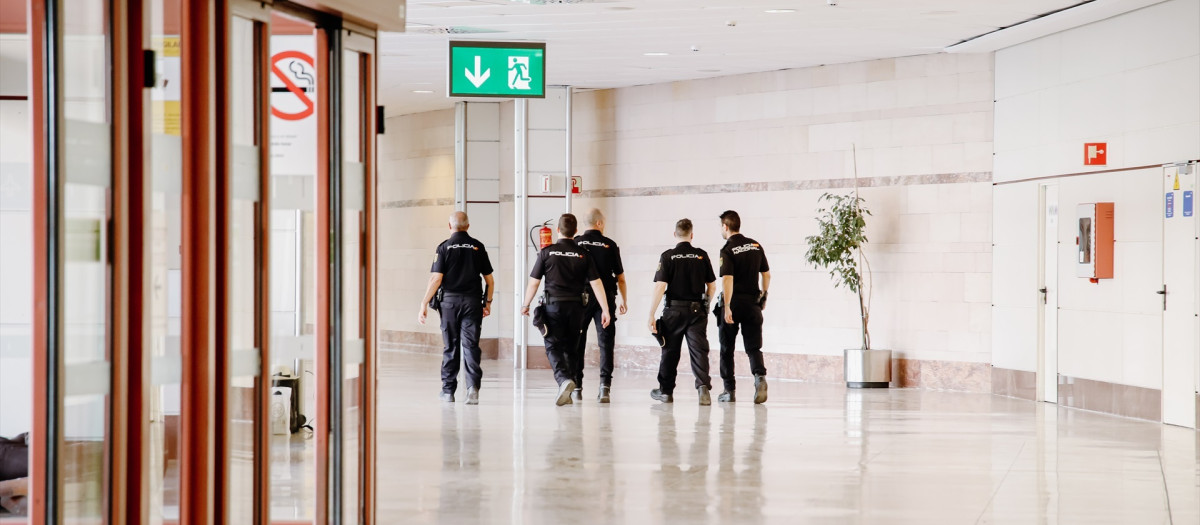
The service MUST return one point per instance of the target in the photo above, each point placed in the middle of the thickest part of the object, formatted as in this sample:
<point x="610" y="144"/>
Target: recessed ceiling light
<point x="422" y="91"/>
<point x="656" y="54"/>
<point x="778" y="11"/>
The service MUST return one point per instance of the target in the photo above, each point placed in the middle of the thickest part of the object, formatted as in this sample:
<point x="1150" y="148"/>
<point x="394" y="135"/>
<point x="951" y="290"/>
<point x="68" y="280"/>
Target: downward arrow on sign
<point x="476" y="78"/>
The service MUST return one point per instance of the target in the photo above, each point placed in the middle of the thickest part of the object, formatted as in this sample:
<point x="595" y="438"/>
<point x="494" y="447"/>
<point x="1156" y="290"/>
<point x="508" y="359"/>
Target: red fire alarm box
<point x="1094" y="241"/>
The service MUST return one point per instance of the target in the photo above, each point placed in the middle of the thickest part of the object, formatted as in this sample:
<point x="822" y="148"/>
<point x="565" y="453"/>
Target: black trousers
<point x="678" y="323"/>
<point x="747" y="317"/>
<point x="564" y="322"/>
<point x="462" y="318"/>
<point x="605" y="337"/>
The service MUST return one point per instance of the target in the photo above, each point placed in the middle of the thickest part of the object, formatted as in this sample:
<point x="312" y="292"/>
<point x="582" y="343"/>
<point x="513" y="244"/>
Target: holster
<point x="435" y="303"/>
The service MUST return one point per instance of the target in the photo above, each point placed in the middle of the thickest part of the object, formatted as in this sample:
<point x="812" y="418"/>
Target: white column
<point x="521" y="226"/>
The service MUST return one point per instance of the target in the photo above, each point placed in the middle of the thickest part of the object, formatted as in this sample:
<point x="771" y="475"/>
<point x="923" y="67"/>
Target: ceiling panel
<point x="602" y="43"/>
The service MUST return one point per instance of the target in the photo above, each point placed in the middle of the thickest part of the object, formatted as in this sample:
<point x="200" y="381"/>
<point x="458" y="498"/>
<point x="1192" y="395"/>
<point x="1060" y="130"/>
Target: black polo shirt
<point x="461" y="259"/>
<point x="607" y="257"/>
<point x="567" y="267"/>
<point x="743" y="258"/>
<point x="686" y="270"/>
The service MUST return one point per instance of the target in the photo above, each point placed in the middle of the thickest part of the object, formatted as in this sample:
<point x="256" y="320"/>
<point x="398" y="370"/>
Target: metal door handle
<point x="1163" y="293"/>
<point x="1044" y="293"/>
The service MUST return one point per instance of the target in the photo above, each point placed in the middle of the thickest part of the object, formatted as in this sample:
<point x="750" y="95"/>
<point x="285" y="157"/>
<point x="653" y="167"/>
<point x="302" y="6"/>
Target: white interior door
<point x="1180" y="328"/>
<point x="1048" y="295"/>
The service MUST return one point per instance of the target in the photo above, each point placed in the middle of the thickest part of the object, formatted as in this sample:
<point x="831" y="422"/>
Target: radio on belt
<point x="1094" y="241"/>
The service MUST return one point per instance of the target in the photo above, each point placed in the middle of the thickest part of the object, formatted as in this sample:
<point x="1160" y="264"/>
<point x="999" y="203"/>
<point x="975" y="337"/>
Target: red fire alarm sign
<point x="1095" y="154"/>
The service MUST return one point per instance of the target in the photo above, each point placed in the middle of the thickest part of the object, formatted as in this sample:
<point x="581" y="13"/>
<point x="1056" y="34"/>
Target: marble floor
<point x="814" y="453"/>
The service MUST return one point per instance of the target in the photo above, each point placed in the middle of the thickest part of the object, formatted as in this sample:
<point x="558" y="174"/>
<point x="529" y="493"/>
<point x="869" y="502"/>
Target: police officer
<point x="743" y="261"/>
<point x="607" y="257"/>
<point x="568" y="269"/>
<point x="685" y="275"/>
<point x="457" y="265"/>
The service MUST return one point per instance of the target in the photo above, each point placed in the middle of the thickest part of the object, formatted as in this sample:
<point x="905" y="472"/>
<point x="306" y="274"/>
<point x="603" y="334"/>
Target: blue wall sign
<point x="1170" y="204"/>
<point x="1187" y="204"/>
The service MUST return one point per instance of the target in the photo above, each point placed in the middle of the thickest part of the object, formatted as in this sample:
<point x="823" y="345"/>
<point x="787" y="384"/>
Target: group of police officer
<point x="575" y="265"/>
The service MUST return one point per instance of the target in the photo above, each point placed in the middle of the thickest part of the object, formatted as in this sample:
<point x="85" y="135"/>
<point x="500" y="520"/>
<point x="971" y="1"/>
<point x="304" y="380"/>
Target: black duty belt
<point x="746" y="297"/>
<point x="564" y="299"/>
<point x="672" y="303"/>
<point x="449" y="295"/>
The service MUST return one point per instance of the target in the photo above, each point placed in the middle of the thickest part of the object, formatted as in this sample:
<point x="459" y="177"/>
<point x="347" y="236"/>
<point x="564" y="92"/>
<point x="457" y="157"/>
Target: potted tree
<point x="838" y="247"/>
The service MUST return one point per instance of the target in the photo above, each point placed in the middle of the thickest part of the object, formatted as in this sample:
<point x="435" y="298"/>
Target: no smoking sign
<point x="293" y="85"/>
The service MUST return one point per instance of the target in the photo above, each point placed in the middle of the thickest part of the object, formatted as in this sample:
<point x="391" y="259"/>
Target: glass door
<point x="166" y="265"/>
<point x="357" y="139"/>
<point x="84" y="238"/>
<point x="293" y="266"/>
<point x="248" y="267"/>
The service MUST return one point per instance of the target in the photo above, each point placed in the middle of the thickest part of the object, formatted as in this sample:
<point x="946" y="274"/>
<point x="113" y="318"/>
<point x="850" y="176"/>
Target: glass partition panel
<point x="353" y="229"/>
<point x="244" y="261"/>
<point x="166" y="265"/>
<point x="85" y="243"/>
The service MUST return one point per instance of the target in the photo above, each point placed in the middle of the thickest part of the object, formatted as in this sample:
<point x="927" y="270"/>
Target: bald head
<point x="594" y="219"/>
<point x="459" y="222"/>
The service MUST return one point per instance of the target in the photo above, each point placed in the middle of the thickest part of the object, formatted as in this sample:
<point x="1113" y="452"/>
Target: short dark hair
<point x="568" y="225"/>
<point x="683" y="228"/>
<point x="731" y="219"/>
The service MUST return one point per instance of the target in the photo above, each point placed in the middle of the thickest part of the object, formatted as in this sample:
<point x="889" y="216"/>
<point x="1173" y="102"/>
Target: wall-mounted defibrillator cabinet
<point x="1094" y="241"/>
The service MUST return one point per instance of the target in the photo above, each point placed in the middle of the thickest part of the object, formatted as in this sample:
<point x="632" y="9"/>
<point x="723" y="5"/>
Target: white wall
<point x="416" y="196"/>
<point x="1132" y="81"/>
<point x="922" y="127"/>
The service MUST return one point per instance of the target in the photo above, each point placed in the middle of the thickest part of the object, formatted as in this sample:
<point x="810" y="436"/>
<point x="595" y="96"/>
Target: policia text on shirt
<point x="569" y="270"/>
<point x="456" y="293"/>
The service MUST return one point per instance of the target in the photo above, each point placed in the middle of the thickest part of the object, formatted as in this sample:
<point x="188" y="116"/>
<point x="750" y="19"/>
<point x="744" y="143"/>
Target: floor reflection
<point x="813" y="454"/>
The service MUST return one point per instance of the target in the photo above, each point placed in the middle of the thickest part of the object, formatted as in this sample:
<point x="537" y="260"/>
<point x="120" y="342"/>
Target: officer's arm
<point x="766" y="281"/>
<point x="598" y="289"/>
<point x="531" y="290"/>
<point x="712" y="289"/>
<point x="435" y="280"/>
<point x="727" y="289"/>
<point x="491" y="287"/>
<point x="621" y="287"/>
<point x="656" y="296"/>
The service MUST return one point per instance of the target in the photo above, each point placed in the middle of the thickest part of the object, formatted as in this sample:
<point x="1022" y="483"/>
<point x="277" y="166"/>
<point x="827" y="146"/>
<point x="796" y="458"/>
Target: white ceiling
<point x="602" y="43"/>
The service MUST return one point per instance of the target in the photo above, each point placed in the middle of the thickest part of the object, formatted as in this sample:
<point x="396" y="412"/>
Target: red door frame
<point x="324" y="381"/>
<point x="39" y="476"/>
<point x="197" y="437"/>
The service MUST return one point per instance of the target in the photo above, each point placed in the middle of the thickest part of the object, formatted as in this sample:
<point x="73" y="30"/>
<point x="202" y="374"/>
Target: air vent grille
<point x="448" y="30"/>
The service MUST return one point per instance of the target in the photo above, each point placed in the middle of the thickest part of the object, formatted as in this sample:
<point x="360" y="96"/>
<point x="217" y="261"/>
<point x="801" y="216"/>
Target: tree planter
<point x="867" y="368"/>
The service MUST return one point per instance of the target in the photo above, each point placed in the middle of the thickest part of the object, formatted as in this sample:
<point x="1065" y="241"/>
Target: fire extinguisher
<point x="545" y="235"/>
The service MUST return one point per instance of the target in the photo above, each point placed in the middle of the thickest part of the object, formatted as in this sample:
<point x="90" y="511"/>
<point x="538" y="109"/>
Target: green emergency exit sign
<point x="497" y="69"/>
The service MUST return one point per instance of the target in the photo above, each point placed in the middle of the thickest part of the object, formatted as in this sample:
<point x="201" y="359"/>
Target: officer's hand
<point x="728" y="315"/>
<point x="653" y="326"/>
<point x="487" y="310"/>
<point x="605" y="319"/>
<point x="424" y="312"/>
<point x="525" y="311"/>
<point x="621" y="309"/>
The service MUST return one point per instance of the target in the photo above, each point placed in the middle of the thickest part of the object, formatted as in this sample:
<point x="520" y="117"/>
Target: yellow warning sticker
<point x="1177" y="180"/>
